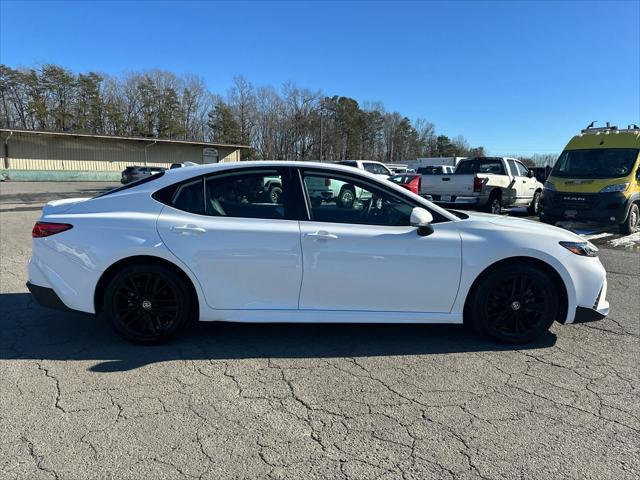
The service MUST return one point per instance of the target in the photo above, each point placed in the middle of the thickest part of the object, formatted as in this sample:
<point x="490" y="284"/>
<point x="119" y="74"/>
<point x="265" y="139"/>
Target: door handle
<point x="188" y="229"/>
<point x="322" y="235"/>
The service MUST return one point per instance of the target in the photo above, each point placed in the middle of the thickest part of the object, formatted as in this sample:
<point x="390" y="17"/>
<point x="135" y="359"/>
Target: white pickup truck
<point x="485" y="183"/>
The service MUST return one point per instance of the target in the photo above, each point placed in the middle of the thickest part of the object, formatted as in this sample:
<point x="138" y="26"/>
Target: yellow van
<point x="596" y="179"/>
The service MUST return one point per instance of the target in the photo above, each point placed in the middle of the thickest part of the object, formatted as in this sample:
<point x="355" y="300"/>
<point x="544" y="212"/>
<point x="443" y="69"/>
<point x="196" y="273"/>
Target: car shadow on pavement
<point x="31" y="332"/>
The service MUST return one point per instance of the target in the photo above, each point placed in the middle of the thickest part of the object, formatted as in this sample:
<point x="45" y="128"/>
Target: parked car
<point x="340" y="192"/>
<point x="133" y="173"/>
<point x="486" y="183"/>
<point x="397" y="169"/>
<point x="410" y="181"/>
<point x="376" y="168"/>
<point x="200" y="243"/>
<point x="597" y="179"/>
<point x="181" y="165"/>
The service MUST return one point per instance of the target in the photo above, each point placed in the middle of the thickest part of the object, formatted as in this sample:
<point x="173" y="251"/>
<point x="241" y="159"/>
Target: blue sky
<point x="515" y="77"/>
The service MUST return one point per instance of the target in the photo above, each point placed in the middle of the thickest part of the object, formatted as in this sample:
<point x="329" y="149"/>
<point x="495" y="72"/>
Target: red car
<point x="410" y="181"/>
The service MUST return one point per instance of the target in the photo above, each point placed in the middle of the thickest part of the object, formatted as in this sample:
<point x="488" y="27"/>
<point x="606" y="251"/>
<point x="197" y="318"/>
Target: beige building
<point x="39" y="155"/>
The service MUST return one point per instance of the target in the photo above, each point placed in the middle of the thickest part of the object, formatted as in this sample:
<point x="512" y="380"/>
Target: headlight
<point x="549" y="186"/>
<point x="584" y="249"/>
<point x="620" y="187"/>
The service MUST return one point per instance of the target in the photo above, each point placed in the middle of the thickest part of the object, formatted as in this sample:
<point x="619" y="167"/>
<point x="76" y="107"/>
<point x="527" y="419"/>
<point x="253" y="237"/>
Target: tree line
<point x="291" y="123"/>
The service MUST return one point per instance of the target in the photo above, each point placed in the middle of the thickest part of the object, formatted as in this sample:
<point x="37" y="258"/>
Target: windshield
<point x="595" y="163"/>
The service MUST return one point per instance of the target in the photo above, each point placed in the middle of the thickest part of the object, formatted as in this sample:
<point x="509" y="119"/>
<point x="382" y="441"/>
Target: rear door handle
<point x="322" y="235"/>
<point x="188" y="229"/>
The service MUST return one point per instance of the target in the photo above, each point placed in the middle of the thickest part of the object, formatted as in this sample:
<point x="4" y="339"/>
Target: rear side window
<point x="257" y="194"/>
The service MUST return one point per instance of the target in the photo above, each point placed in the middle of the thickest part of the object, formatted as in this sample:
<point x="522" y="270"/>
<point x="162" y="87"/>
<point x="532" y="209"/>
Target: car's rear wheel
<point x="148" y="304"/>
<point x="346" y="198"/>
<point x="632" y="222"/>
<point x="494" y="205"/>
<point x="514" y="304"/>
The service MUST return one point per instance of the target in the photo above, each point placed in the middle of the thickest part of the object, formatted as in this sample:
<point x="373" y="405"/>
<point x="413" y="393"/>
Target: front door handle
<point x="321" y="235"/>
<point x="188" y="229"/>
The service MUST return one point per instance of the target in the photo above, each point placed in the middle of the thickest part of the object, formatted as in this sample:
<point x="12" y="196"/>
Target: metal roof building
<point x="42" y="155"/>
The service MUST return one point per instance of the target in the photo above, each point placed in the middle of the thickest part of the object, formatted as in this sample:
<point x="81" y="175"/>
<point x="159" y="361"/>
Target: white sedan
<point x="211" y="243"/>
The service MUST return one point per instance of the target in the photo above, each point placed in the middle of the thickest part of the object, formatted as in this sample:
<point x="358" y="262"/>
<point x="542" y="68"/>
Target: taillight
<point x="477" y="184"/>
<point x="46" y="229"/>
<point x="414" y="184"/>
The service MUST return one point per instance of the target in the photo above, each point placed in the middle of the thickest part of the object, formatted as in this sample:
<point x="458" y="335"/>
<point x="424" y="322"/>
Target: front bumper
<point x="602" y="208"/>
<point x="47" y="297"/>
<point x="585" y="315"/>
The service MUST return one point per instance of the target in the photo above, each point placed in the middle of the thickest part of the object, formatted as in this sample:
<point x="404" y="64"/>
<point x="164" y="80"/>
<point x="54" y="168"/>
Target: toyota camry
<point x="304" y="242"/>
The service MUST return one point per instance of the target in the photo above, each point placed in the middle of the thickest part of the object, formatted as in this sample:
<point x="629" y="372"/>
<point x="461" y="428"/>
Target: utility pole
<point x="321" y="132"/>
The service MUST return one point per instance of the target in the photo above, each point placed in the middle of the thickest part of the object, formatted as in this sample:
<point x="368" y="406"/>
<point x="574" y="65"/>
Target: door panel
<point x="364" y="256"/>
<point x="233" y="230"/>
<point x="379" y="268"/>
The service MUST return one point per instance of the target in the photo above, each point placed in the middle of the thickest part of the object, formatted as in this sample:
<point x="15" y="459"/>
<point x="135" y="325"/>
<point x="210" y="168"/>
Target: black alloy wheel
<point x="147" y="304"/>
<point x="515" y="304"/>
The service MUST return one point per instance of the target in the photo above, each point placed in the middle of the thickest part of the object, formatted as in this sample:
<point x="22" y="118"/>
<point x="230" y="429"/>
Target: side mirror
<point x="421" y="219"/>
<point x="530" y="173"/>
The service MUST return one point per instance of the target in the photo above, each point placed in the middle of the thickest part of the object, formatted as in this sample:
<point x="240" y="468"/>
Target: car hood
<point x="505" y="223"/>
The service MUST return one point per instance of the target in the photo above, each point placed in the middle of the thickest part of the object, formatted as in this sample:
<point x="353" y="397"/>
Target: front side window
<point x="248" y="195"/>
<point x="595" y="163"/>
<point x="513" y="167"/>
<point x="339" y="199"/>
<point x="522" y="170"/>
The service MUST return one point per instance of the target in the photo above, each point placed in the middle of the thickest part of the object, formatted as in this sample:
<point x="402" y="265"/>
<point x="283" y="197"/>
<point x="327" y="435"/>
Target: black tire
<point x="148" y="304"/>
<point x="534" y="206"/>
<point x="275" y="193"/>
<point x="632" y="222"/>
<point x="513" y="304"/>
<point x="494" y="205"/>
<point x="347" y="197"/>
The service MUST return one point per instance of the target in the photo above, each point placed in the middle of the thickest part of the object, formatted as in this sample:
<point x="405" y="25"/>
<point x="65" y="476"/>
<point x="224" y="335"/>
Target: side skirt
<point x="328" y="316"/>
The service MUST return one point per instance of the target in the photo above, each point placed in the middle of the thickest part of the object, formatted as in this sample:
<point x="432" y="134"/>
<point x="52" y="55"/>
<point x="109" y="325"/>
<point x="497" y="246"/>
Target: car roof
<point x="178" y="174"/>
<point x="605" y="139"/>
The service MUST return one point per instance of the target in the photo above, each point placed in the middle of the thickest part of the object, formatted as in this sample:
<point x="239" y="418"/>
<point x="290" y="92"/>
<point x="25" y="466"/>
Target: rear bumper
<point x="459" y="201"/>
<point x="47" y="297"/>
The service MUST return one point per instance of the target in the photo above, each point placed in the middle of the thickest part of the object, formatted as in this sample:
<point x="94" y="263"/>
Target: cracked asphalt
<point x="309" y="401"/>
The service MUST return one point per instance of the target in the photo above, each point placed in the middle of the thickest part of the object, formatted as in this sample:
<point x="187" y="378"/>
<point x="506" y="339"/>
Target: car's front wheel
<point x="148" y="303"/>
<point x="632" y="222"/>
<point x="514" y="304"/>
<point x="534" y="206"/>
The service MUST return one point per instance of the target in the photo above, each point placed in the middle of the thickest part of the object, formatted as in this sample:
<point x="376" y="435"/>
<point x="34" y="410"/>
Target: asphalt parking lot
<point x="310" y="401"/>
